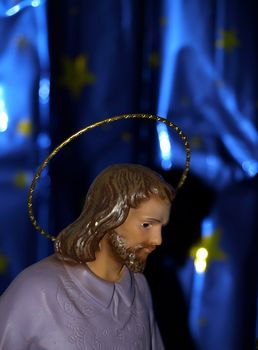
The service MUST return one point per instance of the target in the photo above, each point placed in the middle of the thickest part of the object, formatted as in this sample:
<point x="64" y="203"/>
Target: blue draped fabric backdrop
<point x="24" y="130"/>
<point x="191" y="62"/>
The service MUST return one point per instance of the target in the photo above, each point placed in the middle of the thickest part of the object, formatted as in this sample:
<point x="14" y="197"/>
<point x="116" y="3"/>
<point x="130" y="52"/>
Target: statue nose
<point x="156" y="238"/>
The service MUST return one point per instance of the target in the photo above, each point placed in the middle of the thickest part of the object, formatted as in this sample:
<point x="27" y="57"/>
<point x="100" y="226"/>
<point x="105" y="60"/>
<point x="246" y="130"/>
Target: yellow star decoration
<point x="73" y="11"/>
<point x="3" y="263"/>
<point x="76" y="74"/>
<point x="185" y="101"/>
<point x="196" y="142"/>
<point x="228" y="41"/>
<point x="163" y="21"/>
<point x="24" y="127"/>
<point x="202" y="322"/>
<point x="154" y="60"/>
<point x="211" y="244"/>
<point x="126" y="136"/>
<point x="106" y="127"/>
<point x="219" y="83"/>
<point x="22" y="42"/>
<point x="21" y="179"/>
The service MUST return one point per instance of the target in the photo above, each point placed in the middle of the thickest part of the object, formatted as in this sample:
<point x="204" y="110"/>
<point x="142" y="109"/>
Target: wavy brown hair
<point x="114" y="191"/>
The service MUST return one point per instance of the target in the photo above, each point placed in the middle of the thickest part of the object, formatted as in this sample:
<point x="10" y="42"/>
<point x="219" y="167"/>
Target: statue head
<point x="108" y="201"/>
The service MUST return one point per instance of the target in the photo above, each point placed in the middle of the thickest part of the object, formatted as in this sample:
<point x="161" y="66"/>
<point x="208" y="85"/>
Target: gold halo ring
<point x="92" y="126"/>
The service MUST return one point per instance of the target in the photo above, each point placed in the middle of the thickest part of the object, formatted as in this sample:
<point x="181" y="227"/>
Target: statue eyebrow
<point x="156" y="220"/>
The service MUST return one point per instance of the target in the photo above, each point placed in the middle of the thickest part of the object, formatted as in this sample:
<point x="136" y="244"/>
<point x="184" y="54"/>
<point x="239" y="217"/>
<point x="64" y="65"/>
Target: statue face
<point x="139" y="235"/>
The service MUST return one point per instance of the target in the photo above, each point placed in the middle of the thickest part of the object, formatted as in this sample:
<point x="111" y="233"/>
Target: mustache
<point x="134" y="248"/>
<point x="143" y="246"/>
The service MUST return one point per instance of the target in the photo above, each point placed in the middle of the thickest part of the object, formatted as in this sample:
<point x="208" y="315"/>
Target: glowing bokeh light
<point x="202" y="253"/>
<point x="207" y="227"/>
<point x="13" y="10"/>
<point x="200" y="261"/>
<point x="43" y="140"/>
<point x="200" y="265"/>
<point x="23" y="4"/>
<point x="171" y="38"/>
<point x="250" y="166"/>
<point x="3" y="115"/>
<point x="35" y="3"/>
<point x="44" y="88"/>
<point x="165" y="146"/>
<point x="3" y="121"/>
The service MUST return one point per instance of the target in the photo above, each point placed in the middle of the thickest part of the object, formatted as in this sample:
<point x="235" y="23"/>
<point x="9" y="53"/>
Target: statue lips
<point x="149" y="250"/>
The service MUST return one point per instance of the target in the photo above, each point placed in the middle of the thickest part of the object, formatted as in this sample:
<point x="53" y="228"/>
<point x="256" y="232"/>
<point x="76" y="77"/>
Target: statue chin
<point x="126" y="255"/>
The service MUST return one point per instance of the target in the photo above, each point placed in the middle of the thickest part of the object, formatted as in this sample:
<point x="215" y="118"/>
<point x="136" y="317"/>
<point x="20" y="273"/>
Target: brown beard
<point x="126" y="255"/>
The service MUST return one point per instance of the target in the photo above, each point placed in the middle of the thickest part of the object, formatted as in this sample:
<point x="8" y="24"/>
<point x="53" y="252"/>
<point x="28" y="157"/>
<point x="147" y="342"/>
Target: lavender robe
<point x="56" y="306"/>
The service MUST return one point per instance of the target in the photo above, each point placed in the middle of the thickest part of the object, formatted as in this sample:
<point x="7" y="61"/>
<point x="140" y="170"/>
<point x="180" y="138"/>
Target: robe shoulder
<point x="34" y="278"/>
<point x="29" y="288"/>
<point x="25" y="303"/>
